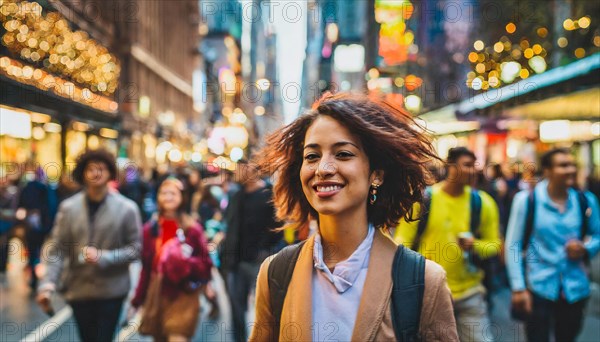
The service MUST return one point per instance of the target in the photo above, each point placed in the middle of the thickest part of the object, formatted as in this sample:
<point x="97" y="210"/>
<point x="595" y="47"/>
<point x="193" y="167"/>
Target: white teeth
<point x="328" y="188"/>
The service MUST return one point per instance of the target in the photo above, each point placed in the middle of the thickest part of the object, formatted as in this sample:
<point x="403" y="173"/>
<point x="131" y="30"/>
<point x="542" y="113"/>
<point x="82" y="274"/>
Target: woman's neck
<point x="341" y="235"/>
<point x="170" y="215"/>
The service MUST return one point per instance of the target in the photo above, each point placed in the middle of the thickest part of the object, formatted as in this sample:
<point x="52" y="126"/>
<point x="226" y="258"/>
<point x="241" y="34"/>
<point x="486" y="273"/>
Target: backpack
<point x="408" y="276"/>
<point x="583" y="207"/>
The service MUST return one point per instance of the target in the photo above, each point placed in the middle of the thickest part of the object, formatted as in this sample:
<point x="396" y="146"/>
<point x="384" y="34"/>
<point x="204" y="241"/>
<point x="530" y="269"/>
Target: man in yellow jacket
<point x="446" y="238"/>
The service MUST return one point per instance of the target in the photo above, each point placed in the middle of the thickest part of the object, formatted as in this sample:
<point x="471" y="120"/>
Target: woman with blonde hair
<point x="356" y="165"/>
<point x="175" y="266"/>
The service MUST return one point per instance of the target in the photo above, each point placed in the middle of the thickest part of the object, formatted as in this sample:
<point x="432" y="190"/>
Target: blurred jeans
<point x="565" y="318"/>
<point x="472" y="318"/>
<point x="97" y="319"/>
<point x="240" y="283"/>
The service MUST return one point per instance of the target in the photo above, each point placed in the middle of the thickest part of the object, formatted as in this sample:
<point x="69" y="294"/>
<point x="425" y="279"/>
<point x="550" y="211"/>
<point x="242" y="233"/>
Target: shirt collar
<point x="544" y="197"/>
<point x="345" y="273"/>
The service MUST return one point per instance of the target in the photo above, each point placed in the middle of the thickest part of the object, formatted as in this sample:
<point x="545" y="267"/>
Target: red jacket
<point x="198" y="265"/>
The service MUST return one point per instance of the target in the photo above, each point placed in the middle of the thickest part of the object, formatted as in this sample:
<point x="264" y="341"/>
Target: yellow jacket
<point x="449" y="216"/>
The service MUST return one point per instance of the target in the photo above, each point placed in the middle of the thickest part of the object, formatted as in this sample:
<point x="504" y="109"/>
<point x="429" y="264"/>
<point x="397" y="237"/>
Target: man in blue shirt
<point x="550" y="285"/>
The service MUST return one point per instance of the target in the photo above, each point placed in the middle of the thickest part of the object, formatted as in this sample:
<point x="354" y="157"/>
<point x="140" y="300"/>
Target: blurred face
<point x="194" y="178"/>
<point x="246" y="173"/>
<point x="169" y="197"/>
<point x="96" y="174"/>
<point x="335" y="172"/>
<point x="463" y="171"/>
<point x="563" y="171"/>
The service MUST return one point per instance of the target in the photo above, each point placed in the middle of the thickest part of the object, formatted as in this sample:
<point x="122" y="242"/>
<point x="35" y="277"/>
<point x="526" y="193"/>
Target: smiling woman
<point x="356" y="165"/>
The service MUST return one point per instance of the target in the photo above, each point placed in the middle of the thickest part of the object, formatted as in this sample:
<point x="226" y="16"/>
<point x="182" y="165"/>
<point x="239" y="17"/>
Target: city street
<point x="21" y="318"/>
<point x="156" y="146"/>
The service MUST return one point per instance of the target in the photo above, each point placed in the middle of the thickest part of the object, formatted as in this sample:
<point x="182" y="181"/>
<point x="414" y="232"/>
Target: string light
<point x="505" y="62"/>
<point x="43" y="80"/>
<point x="49" y="43"/>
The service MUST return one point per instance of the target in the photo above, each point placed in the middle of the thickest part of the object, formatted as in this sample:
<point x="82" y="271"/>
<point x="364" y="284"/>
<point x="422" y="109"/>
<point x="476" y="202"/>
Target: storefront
<point x="56" y="98"/>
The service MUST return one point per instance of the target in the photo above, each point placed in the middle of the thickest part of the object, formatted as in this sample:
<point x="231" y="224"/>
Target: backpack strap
<point x="586" y="212"/>
<point x="475" y="221"/>
<point x="423" y="219"/>
<point x="280" y="274"/>
<point x="529" y="220"/>
<point x="408" y="275"/>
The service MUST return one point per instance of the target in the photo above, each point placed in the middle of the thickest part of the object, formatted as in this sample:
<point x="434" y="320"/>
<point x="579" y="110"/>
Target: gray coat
<point x="116" y="232"/>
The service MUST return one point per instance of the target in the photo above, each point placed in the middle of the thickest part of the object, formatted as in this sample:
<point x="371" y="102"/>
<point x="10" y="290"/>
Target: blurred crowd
<point x="226" y="220"/>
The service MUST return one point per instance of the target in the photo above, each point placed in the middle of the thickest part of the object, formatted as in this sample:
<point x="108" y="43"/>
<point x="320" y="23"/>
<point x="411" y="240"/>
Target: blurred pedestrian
<point x="134" y="187"/>
<point x="249" y="240"/>
<point x="96" y="236"/>
<point x="211" y="217"/>
<point x="175" y="266"/>
<point x="34" y="206"/>
<point x="192" y="181"/>
<point x="463" y="220"/>
<point x="356" y="165"/>
<point x="196" y="192"/>
<point x="557" y="228"/>
<point x="9" y="197"/>
<point x="67" y="187"/>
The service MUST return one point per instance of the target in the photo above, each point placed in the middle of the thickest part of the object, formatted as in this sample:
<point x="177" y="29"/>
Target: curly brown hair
<point x="97" y="156"/>
<point x="392" y="141"/>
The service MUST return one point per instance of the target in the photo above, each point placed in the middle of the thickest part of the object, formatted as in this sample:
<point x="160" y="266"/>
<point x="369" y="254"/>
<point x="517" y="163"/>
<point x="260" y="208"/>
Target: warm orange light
<point x="511" y="28"/>
<point x="473" y="57"/>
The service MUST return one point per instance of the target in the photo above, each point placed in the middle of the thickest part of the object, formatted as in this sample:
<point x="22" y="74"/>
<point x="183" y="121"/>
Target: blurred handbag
<point x="151" y="315"/>
<point x="180" y="315"/>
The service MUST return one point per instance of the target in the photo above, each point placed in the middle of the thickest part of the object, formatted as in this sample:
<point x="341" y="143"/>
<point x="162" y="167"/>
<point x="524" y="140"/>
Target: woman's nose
<point x="326" y="167"/>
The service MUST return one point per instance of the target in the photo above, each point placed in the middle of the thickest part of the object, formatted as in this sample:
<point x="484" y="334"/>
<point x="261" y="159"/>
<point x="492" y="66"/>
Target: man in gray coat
<point x="96" y="235"/>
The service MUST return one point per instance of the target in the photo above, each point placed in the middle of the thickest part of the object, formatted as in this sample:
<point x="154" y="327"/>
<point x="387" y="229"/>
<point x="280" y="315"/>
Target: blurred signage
<point x="349" y="58"/>
<point x="15" y="124"/>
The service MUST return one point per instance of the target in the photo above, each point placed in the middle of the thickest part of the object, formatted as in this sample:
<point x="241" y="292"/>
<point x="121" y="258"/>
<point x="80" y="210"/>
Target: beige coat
<point x="374" y="319"/>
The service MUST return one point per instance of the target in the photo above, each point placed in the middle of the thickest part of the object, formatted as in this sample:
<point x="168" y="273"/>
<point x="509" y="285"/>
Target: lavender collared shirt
<point x="336" y="296"/>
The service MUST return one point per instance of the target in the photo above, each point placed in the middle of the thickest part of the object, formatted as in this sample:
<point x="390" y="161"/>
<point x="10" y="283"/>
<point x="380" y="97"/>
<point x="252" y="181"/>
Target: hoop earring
<point x="373" y="193"/>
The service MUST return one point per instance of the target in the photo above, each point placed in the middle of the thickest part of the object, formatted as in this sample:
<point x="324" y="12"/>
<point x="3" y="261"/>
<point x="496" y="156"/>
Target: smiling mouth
<point x="327" y="190"/>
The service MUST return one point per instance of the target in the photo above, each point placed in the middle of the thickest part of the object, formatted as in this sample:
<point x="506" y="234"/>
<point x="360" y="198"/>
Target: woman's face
<point x="335" y="171"/>
<point x="169" y="197"/>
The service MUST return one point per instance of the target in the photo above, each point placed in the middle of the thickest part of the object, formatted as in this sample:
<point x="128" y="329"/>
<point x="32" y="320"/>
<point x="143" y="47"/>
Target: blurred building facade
<point x="241" y="92"/>
<point x="59" y="80"/>
<point x="158" y="46"/>
<point x="507" y="80"/>
<point x="85" y="74"/>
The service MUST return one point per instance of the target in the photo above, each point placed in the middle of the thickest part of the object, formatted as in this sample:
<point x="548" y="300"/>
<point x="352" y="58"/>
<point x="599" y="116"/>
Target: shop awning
<point x="579" y="105"/>
<point x="19" y="95"/>
<point x="518" y="97"/>
<point x="568" y="72"/>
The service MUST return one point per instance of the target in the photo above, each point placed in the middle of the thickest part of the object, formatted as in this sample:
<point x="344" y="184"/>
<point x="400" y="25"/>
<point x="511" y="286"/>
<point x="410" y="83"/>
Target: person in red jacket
<point x="175" y="266"/>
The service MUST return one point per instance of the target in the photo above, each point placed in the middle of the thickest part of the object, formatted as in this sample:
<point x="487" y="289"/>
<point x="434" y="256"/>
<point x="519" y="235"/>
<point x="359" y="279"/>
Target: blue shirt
<point x="548" y="270"/>
<point x="336" y="295"/>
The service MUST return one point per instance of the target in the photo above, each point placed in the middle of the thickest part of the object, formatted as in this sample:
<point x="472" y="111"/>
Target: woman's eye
<point x="345" y="154"/>
<point x="311" y="156"/>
